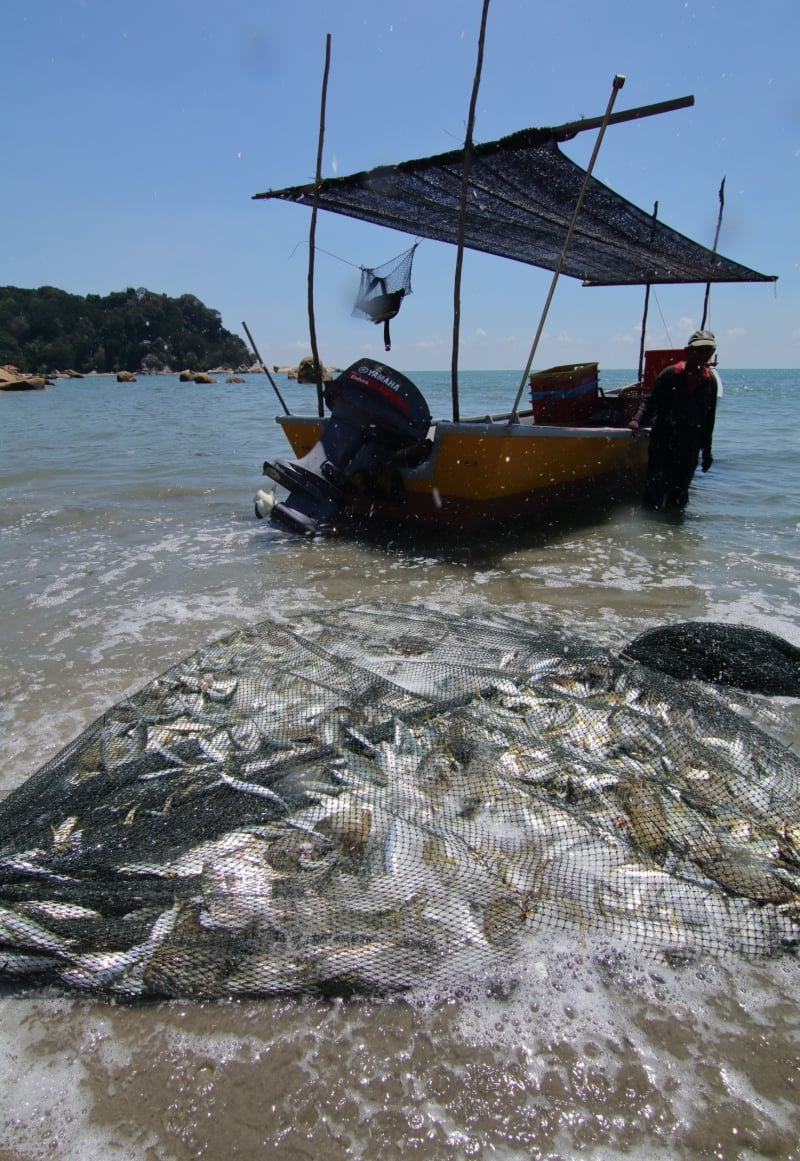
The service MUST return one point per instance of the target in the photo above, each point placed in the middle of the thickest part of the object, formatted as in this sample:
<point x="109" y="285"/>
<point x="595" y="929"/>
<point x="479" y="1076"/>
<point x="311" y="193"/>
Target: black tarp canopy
<point x="522" y="192"/>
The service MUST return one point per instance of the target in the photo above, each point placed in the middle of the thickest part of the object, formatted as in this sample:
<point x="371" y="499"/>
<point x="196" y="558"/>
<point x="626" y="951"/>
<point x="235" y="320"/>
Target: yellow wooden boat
<point x="478" y="472"/>
<point x="377" y="452"/>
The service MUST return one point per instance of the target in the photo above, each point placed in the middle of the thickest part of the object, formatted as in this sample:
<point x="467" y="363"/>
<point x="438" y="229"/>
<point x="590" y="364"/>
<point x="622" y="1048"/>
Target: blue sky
<point x="135" y="134"/>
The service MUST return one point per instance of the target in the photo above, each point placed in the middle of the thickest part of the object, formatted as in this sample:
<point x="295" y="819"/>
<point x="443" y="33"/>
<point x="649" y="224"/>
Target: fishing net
<point x="737" y="655"/>
<point x="382" y="291"/>
<point x="376" y="797"/>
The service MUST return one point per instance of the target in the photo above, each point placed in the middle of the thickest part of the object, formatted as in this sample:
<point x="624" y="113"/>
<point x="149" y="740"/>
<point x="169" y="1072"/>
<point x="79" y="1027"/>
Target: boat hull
<point x="477" y="473"/>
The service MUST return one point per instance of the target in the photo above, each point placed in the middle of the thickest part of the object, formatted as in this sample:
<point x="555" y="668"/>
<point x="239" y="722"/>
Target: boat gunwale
<point x="492" y="426"/>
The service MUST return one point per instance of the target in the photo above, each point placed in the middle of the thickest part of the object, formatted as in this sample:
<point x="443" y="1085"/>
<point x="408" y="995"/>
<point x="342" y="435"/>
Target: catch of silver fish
<point x="375" y="797"/>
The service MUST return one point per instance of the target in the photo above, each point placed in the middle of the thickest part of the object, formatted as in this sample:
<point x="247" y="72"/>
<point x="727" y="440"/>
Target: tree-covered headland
<point x="46" y="329"/>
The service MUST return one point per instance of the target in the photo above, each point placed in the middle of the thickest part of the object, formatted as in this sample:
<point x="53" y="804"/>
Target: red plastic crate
<point x="655" y="362"/>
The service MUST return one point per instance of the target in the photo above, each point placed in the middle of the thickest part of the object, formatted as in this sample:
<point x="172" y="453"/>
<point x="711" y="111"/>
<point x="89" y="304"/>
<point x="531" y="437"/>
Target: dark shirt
<point x="681" y="409"/>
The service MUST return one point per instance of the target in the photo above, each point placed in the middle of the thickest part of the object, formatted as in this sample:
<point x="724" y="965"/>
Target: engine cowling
<point x="375" y="411"/>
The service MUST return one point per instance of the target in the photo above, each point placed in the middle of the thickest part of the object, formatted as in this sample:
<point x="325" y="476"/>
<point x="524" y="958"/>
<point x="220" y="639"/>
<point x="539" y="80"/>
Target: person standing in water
<point x="681" y="409"/>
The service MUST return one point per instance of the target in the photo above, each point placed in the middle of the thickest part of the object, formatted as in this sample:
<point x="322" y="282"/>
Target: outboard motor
<point x="375" y="411"/>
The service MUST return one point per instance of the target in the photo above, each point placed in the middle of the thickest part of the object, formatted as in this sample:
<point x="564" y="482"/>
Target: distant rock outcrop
<point x="306" y="372"/>
<point x="11" y="380"/>
<point x="126" y="377"/>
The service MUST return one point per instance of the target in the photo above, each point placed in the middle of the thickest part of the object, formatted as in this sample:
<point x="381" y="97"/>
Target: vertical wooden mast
<point x="716" y="243"/>
<point x="462" y="213"/>
<point x="640" y="372"/>
<point x="313" y="230"/>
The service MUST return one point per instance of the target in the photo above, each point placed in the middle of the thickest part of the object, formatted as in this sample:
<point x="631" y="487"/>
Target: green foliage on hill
<point x="46" y="329"/>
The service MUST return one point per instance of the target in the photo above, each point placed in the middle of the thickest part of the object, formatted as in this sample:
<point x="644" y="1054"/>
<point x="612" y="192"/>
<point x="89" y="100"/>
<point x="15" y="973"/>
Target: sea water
<point x="129" y="540"/>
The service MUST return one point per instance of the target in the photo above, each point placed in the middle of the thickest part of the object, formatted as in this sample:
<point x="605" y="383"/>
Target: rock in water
<point x="736" y="655"/>
<point x="376" y="797"/>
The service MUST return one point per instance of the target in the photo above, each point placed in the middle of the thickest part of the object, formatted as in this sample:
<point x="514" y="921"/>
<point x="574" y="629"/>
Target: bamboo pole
<point x="264" y="369"/>
<point x="617" y="84"/>
<point x="572" y="128"/>
<point x="639" y="375"/>
<point x="313" y="230"/>
<point x="462" y="214"/>
<point x="714" y="250"/>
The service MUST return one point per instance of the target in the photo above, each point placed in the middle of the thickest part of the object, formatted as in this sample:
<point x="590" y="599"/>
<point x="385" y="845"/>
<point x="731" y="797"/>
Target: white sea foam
<point x="584" y="1049"/>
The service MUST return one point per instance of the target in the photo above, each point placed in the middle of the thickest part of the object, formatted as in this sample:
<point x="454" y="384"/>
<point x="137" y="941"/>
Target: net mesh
<point x="383" y="288"/>
<point x="738" y="655"/>
<point x="374" y="797"/>
<point x="522" y="193"/>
